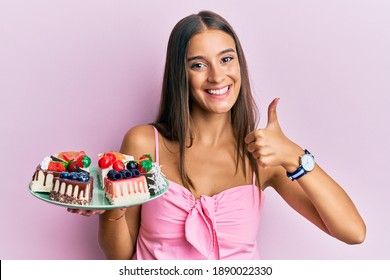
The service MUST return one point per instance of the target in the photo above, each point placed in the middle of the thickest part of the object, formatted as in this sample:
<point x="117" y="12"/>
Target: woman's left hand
<point x="311" y="195"/>
<point x="270" y="147"/>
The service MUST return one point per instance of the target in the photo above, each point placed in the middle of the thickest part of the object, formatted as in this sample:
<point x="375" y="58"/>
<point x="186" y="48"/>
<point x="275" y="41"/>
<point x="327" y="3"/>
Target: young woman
<point x="217" y="162"/>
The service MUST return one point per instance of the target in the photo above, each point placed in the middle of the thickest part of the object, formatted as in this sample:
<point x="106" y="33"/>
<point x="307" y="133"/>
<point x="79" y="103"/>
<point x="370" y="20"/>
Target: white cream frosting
<point x="45" y="163"/>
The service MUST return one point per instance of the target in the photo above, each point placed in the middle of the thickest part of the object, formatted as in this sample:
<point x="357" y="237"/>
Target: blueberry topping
<point x="73" y="176"/>
<point x="135" y="173"/>
<point x="132" y="165"/>
<point x="126" y="173"/>
<point x="83" y="174"/>
<point x="111" y="174"/>
<point x="64" y="175"/>
<point x="118" y="176"/>
<point x="83" y="177"/>
<point x="114" y="175"/>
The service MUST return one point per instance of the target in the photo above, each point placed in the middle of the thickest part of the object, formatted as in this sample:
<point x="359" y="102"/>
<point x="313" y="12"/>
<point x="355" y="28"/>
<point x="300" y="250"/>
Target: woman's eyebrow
<point x="201" y="57"/>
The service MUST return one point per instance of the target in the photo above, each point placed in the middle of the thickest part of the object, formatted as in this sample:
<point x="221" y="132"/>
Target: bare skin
<point x="210" y="161"/>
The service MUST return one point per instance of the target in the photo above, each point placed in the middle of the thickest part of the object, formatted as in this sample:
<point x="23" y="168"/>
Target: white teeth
<point x="218" y="91"/>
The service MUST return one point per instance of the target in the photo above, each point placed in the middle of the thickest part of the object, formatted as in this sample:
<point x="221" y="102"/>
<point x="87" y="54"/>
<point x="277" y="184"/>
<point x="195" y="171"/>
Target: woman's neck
<point x="211" y="129"/>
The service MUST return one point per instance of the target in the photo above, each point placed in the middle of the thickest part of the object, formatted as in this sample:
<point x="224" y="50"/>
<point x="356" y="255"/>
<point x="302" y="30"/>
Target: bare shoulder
<point x="139" y="140"/>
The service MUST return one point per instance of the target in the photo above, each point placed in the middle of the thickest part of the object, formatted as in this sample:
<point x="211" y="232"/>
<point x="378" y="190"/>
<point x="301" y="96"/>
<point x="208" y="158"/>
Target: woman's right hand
<point x="84" y="212"/>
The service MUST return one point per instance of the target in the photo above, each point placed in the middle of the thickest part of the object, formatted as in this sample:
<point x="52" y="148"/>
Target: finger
<point x="254" y="136"/>
<point x="272" y="115"/>
<point x="72" y="210"/>
<point x="84" y="212"/>
<point x="98" y="212"/>
<point x="89" y="213"/>
<point x="250" y="138"/>
<point x="256" y="155"/>
<point x="253" y="147"/>
<point x="260" y="163"/>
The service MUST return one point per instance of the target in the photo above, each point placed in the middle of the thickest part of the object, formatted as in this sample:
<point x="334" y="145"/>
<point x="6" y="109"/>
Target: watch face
<point x="307" y="162"/>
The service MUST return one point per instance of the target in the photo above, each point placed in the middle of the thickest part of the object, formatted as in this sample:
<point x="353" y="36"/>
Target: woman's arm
<point x="315" y="195"/>
<point x="117" y="237"/>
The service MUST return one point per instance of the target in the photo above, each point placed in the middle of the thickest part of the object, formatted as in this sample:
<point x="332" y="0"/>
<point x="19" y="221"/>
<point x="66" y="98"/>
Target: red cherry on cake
<point x="118" y="165"/>
<point x="73" y="167"/>
<point x="111" y="156"/>
<point x="104" y="162"/>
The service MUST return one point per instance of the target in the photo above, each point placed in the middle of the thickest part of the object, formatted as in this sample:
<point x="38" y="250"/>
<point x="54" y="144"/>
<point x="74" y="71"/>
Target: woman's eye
<point x="227" y="59"/>
<point x="197" y="65"/>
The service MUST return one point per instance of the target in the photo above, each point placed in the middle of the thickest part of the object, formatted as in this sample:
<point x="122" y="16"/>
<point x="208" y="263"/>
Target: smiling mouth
<point x="220" y="91"/>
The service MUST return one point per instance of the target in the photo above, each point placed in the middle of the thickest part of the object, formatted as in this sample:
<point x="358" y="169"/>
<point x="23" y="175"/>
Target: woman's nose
<point x="216" y="74"/>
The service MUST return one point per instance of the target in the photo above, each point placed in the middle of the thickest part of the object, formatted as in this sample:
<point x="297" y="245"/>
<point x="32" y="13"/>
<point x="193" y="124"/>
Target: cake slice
<point x="122" y="180"/>
<point x="42" y="180"/>
<point x="65" y="176"/>
<point x="46" y="171"/>
<point x="72" y="188"/>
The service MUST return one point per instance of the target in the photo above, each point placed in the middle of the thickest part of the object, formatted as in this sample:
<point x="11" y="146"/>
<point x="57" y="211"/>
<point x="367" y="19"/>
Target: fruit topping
<point x="75" y="176"/>
<point x="135" y="173"/>
<point x="114" y="175"/>
<point x="111" y="156"/>
<point x="73" y="160"/>
<point x="68" y="156"/>
<point x="56" y="166"/>
<point x="105" y="162"/>
<point x="86" y="161"/>
<point x="83" y="177"/>
<point x="122" y="167"/>
<point x="145" y="165"/>
<point x="119" y="155"/>
<point x="64" y="175"/>
<point x="83" y="161"/>
<point x="146" y="156"/>
<point x="73" y="167"/>
<point x="126" y="174"/>
<point x="118" y="165"/>
<point x="132" y="165"/>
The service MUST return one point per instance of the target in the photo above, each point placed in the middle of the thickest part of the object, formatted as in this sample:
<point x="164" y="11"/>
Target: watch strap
<point x="299" y="172"/>
<point x="296" y="174"/>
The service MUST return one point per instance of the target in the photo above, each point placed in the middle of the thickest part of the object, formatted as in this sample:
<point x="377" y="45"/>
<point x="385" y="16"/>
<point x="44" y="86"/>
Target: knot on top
<point x="200" y="228"/>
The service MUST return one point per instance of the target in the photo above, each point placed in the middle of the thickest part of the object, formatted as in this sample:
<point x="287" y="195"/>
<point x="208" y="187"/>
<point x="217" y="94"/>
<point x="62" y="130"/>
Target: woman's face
<point x="214" y="71"/>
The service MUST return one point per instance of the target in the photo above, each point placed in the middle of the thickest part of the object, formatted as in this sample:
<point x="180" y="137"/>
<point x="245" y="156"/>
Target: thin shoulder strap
<point x="254" y="178"/>
<point x="156" y="142"/>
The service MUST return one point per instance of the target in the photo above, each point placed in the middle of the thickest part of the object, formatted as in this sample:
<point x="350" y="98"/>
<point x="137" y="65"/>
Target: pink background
<point x="78" y="74"/>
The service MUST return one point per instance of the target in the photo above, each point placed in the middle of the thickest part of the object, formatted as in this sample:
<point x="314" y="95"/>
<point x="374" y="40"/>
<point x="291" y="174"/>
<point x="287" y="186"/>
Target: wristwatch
<point x="307" y="164"/>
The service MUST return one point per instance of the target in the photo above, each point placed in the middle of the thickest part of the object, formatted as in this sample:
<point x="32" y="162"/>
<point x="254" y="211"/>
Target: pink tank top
<point x="222" y="226"/>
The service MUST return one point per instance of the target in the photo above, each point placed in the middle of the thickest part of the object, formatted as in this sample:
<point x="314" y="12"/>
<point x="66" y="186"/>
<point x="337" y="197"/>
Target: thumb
<point x="272" y="115"/>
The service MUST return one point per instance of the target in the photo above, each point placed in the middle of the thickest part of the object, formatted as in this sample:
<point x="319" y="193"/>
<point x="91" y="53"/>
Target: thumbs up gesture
<point x="270" y="147"/>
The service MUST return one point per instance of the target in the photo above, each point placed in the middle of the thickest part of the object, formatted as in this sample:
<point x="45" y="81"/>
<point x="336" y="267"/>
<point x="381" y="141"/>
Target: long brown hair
<point x="174" y="119"/>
